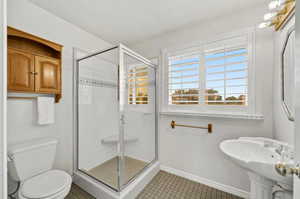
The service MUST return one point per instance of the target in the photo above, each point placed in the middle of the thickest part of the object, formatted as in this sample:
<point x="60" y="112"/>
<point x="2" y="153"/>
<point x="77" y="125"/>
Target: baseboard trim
<point x="213" y="184"/>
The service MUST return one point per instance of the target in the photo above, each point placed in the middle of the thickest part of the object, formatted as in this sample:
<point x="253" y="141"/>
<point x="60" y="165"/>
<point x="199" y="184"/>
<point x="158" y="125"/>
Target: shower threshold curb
<point x="98" y="190"/>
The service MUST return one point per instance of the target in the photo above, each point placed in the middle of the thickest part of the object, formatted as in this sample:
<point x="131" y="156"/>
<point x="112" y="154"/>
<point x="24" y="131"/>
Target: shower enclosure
<point x="115" y="117"/>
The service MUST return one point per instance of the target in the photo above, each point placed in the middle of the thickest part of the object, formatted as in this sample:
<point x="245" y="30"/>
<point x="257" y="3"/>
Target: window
<point x="211" y="75"/>
<point x="138" y="85"/>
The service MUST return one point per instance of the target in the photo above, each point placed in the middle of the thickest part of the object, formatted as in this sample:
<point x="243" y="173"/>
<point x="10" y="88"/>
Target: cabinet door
<point x="48" y="75"/>
<point x="20" y="71"/>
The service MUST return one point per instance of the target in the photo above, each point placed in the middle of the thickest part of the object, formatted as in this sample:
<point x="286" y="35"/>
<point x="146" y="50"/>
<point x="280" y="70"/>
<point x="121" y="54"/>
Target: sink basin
<point x="259" y="162"/>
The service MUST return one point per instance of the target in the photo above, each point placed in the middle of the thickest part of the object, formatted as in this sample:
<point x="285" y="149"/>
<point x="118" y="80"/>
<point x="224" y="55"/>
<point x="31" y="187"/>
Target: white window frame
<point x="218" y="110"/>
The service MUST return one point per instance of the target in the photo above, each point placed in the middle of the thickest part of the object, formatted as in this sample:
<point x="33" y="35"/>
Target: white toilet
<point x="31" y="164"/>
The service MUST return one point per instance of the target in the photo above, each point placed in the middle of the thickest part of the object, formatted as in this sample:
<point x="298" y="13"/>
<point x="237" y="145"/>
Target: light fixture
<point x="269" y="16"/>
<point x="283" y="2"/>
<point x="277" y="4"/>
<point x="274" y="5"/>
<point x="265" y="24"/>
<point x="279" y="10"/>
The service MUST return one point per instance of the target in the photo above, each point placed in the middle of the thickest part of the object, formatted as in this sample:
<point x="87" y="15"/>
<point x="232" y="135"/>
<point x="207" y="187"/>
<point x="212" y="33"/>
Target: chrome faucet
<point x="279" y="149"/>
<point x="284" y="150"/>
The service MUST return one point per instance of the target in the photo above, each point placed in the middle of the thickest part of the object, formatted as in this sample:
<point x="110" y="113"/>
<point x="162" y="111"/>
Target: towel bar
<point x="209" y="126"/>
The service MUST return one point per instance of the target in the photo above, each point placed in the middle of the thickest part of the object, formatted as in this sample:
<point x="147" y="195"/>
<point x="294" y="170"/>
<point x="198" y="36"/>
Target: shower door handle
<point x="122" y="119"/>
<point x="118" y="84"/>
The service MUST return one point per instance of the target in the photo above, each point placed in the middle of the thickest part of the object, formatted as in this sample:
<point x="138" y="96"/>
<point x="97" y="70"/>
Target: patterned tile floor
<point x="77" y="193"/>
<point x="167" y="186"/>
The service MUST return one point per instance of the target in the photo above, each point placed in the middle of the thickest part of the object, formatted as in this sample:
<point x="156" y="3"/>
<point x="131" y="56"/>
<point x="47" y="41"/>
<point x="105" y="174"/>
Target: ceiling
<point x="130" y="21"/>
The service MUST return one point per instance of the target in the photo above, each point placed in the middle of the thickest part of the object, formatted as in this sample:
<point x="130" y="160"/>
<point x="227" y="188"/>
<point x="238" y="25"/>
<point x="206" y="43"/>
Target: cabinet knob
<point x="33" y="73"/>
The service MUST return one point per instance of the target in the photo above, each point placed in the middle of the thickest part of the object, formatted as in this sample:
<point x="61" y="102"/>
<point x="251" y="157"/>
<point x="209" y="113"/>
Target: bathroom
<point x="141" y="106"/>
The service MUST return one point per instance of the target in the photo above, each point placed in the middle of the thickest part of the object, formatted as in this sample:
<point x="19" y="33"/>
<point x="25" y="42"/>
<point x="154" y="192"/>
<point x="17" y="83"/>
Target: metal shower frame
<point x="123" y="50"/>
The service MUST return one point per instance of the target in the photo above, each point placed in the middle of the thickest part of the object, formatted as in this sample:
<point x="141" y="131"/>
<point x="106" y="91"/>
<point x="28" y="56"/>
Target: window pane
<point x="226" y="70"/>
<point x="215" y="62"/>
<point x="215" y="69"/>
<point x="236" y="82"/>
<point x="182" y="61"/>
<point x="240" y="74"/>
<point x="215" y="55"/>
<point x="185" y="96"/>
<point x="215" y="77"/>
<point x="236" y="66"/>
<point x="214" y="84"/>
<point x="184" y="79"/>
<point x="234" y="90"/>
<point x="184" y="73"/>
<point x="236" y="59"/>
<point x="236" y="52"/>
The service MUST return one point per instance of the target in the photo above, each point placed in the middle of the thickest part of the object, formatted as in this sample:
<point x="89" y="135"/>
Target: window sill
<point x="215" y="115"/>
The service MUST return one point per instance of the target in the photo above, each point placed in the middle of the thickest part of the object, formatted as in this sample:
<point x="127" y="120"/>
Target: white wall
<point x="3" y="173"/>
<point x="283" y="128"/>
<point x="197" y="152"/>
<point x="22" y="115"/>
<point x="197" y="32"/>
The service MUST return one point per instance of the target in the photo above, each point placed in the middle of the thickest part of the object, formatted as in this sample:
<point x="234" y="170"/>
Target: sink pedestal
<point x="261" y="188"/>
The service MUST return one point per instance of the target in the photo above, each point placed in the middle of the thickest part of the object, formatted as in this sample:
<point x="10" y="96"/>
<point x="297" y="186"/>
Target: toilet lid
<point x="46" y="184"/>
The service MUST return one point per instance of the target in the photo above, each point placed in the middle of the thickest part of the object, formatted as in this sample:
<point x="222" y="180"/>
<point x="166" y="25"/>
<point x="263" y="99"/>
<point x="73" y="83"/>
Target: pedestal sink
<point x="258" y="157"/>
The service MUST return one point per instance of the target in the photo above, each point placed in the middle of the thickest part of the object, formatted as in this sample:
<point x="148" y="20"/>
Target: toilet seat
<point x="49" y="185"/>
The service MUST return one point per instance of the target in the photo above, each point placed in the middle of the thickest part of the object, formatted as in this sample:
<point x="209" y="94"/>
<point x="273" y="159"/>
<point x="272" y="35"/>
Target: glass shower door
<point x="98" y="117"/>
<point x="138" y="115"/>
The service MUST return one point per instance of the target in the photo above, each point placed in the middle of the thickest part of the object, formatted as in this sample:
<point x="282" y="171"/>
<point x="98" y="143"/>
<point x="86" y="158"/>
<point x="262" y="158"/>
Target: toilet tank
<point x="31" y="158"/>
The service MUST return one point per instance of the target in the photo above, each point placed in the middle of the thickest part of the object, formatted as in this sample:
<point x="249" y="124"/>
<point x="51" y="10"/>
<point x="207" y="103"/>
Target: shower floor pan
<point x="107" y="171"/>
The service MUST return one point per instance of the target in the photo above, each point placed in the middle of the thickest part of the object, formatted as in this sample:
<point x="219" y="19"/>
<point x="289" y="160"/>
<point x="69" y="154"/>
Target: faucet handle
<point x="286" y="169"/>
<point x="276" y="144"/>
<point x="287" y="152"/>
<point x="268" y="143"/>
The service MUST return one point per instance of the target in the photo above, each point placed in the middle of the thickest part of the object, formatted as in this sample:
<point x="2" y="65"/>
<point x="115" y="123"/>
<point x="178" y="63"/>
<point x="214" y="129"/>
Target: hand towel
<point x="45" y="110"/>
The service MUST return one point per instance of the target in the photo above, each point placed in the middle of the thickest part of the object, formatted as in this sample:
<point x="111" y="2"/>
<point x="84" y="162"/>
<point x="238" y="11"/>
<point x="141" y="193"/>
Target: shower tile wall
<point x="98" y="112"/>
<point x="141" y="125"/>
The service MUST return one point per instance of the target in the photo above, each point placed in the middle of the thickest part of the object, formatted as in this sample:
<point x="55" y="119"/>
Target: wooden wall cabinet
<point x="34" y="64"/>
<point x="20" y="71"/>
<point x="48" y="77"/>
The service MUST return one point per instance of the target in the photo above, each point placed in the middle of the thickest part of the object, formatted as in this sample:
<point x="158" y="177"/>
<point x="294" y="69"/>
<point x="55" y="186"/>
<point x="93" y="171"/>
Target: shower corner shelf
<point x="115" y="139"/>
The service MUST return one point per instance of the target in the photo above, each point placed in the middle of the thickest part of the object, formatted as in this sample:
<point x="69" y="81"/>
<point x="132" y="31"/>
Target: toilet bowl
<point x="31" y="165"/>
<point x="53" y="184"/>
